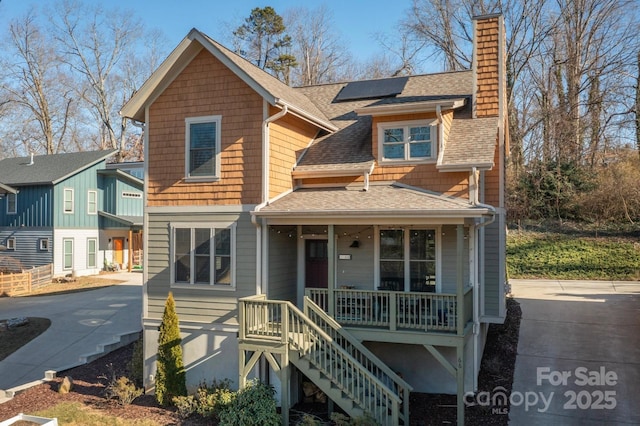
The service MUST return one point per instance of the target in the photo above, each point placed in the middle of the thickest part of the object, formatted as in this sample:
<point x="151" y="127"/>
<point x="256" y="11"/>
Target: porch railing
<point x="395" y="310"/>
<point x="282" y="322"/>
<point x="360" y="352"/>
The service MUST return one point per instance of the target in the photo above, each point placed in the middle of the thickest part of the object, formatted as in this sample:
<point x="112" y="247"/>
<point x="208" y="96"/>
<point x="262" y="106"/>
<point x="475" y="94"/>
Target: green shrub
<point x="207" y="401"/>
<point x="136" y="364"/>
<point x="121" y="389"/>
<point x="170" y="374"/>
<point x="186" y="405"/>
<point x="253" y="405"/>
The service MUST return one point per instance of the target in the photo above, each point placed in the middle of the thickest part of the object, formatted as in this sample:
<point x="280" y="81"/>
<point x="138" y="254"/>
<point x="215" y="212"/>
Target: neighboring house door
<point x="118" y="251"/>
<point x="316" y="264"/>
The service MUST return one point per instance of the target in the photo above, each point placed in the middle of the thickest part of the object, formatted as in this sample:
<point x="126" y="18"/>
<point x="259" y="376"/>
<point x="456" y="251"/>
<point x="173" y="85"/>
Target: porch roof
<point x="134" y="222"/>
<point x="390" y="200"/>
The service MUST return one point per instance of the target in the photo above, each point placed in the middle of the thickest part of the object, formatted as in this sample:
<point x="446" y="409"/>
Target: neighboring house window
<point x="92" y="250"/>
<point x="203" y="255"/>
<point x="43" y="243"/>
<point x="12" y="203"/>
<point x="203" y="147"/>
<point x="92" y="202"/>
<point x="68" y="200"/>
<point x="408" y="141"/>
<point x="67" y="253"/>
<point x="11" y="243"/>
<point x="407" y="259"/>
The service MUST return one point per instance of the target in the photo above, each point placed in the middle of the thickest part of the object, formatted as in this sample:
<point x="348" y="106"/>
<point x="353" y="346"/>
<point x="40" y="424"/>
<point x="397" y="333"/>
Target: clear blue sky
<point x="356" y="20"/>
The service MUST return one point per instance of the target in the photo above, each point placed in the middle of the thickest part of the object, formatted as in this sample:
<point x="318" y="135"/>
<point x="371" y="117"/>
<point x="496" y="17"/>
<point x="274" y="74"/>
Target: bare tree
<point x="93" y="43"/>
<point x="36" y="89"/>
<point x="319" y="52"/>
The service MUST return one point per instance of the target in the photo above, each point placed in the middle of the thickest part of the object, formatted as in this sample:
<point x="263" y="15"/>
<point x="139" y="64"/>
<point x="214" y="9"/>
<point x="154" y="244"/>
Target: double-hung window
<point x="407" y="141"/>
<point x="67" y="253"/>
<point x="68" y="200"/>
<point x="92" y="202"/>
<point x="407" y="259"/>
<point x="202" y="155"/>
<point x="92" y="250"/>
<point x="12" y="203"/>
<point x="203" y="254"/>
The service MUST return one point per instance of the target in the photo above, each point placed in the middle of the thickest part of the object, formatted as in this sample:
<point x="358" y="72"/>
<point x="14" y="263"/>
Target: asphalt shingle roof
<point x="48" y="169"/>
<point x="380" y="199"/>
<point x="350" y="147"/>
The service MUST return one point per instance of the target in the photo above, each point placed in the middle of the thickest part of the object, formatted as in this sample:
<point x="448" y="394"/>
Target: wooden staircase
<point x="337" y="363"/>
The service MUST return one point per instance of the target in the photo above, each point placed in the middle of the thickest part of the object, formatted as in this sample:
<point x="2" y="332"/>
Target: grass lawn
<point x="76" y="414"/>
<point x="570" y="257"/>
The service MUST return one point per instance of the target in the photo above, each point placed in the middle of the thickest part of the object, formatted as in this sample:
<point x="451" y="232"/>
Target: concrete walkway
<point x="578" y="354"/>
<point x="84" y="325"/>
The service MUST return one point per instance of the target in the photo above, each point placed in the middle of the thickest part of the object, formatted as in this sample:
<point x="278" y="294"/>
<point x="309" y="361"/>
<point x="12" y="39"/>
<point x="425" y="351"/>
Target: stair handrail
<point x="388" y="375"/>
<point x="290" y="308"/>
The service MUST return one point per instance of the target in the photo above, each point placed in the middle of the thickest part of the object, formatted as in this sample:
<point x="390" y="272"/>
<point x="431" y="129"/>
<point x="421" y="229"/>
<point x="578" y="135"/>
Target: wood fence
<point x="21" y="283"/>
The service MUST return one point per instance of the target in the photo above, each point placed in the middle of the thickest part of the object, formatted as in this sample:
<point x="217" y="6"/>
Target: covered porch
<point x="396" y="267"/>
<point x="389" y="257"/>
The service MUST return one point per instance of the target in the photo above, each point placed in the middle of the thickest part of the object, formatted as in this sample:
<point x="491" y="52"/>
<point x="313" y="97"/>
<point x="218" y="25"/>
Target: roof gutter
<point x="300" y="113"/>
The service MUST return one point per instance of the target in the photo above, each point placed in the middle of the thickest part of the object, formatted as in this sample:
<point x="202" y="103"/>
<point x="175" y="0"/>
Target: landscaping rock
<point x="17" y="322"/>
<point x="66" y="385"/>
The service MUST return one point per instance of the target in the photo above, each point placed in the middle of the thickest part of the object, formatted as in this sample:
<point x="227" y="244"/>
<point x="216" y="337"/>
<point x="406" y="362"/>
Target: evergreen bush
<point x="255" y="405"/>
<point x="170" y="374"/>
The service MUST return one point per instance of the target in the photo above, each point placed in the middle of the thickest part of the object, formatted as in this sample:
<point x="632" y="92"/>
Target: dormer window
<point x="407" y="141"/>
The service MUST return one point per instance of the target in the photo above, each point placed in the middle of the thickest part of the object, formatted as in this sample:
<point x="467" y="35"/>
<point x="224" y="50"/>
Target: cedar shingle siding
<point x="206" y="87"/>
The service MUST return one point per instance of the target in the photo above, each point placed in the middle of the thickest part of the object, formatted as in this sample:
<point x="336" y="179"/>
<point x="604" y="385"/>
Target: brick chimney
<point x="489" y="69"/>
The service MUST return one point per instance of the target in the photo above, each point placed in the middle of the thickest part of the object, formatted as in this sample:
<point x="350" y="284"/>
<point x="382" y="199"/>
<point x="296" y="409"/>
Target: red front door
<point x="316" y="264"/>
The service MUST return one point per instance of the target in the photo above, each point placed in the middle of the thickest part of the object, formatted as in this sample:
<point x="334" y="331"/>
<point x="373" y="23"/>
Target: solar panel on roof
<point x="371" y="89"/>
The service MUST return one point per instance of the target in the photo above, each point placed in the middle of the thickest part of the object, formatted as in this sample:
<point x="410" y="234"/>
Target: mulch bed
<point x="89" y="383"/>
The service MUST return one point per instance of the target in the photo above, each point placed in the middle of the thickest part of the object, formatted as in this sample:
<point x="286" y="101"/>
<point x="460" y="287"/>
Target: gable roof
<point x="270" y="88"/>
<point x="344" y="148"/>
<point x="48" y="169"/>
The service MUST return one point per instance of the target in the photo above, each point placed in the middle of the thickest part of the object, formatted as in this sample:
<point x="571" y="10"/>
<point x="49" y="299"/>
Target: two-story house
<point x="69" y="210"/>
<point x="348" y="234"/>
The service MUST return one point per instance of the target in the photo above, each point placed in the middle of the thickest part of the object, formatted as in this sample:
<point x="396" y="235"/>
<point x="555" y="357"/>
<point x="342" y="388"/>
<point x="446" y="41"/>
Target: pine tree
<point x="170" y="374"/>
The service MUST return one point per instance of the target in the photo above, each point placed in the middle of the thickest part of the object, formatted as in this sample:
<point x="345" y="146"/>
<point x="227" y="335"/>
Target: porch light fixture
<point x="355" y="244"/>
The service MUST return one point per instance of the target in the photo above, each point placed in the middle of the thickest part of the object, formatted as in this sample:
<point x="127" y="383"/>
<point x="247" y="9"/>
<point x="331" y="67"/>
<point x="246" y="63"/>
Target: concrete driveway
<point x="83" y="326"/>
<point x="578" y="354"/>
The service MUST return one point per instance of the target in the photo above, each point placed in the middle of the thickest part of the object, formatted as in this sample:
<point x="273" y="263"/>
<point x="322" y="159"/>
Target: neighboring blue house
<point x="72" y="210"/>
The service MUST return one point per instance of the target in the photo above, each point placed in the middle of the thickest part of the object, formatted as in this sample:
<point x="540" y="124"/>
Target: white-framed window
<point x="92" y="252"/>
<point x="203" y="254"/>
<point x="43" y="244"/>
<point x="68" y="200"/>
<point x="407" y="141"/>
<point x="202" y="147"/>
<point x="12" y="203"/>
<point x="11" y="243"/>
<point x="408" y="259"/>
<point x="67" y="253"/>
<point x="92" y="202"/>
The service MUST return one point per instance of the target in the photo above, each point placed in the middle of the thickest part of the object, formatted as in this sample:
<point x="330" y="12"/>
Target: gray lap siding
<point x="198" y="303"/>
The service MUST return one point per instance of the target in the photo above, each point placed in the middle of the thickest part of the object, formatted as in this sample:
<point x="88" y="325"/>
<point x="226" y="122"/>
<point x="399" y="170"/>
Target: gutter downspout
<point x="260" y="258"/>
<point x="476" y="293"/>
<point x="440" y="135"/>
